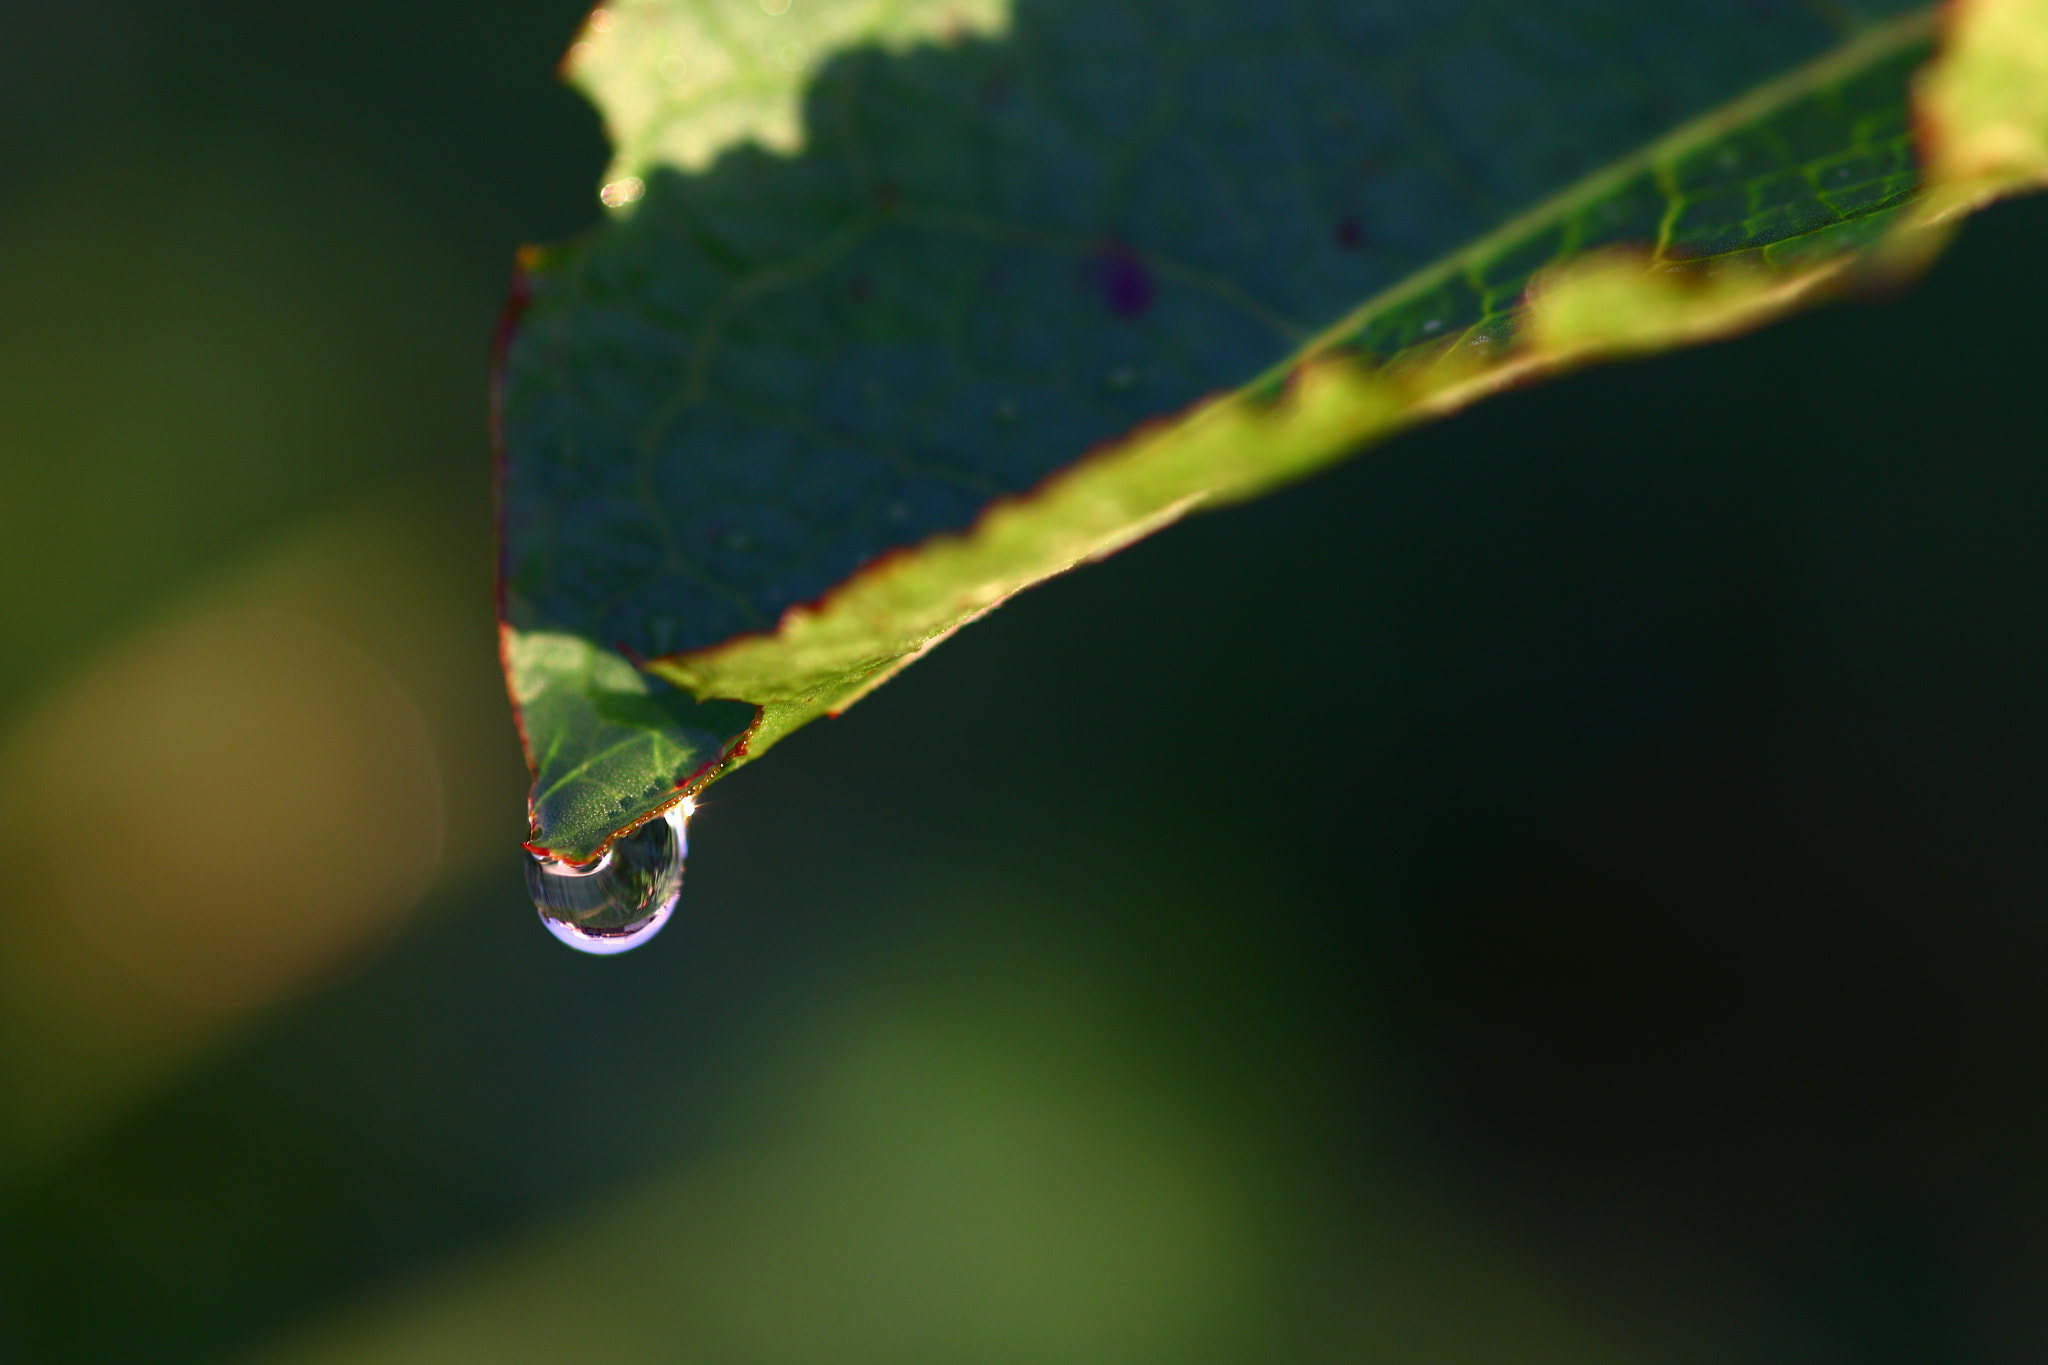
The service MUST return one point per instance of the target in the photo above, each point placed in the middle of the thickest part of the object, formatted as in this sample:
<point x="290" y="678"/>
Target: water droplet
<point x="621" y="900"/>
<point x="1432" y="324"/>
<point x="775" y="6"/>
<point x="622" y="192"/>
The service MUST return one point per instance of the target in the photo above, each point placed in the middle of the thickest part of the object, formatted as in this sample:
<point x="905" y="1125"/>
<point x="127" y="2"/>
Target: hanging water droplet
<point x="621" y="900"/>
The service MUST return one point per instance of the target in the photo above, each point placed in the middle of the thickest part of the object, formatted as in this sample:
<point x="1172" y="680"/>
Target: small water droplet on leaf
<point x="621" y="900"/>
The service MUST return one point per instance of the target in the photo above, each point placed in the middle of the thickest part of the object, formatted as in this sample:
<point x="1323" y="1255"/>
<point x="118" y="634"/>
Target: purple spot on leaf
<point x="1125" y="283"/>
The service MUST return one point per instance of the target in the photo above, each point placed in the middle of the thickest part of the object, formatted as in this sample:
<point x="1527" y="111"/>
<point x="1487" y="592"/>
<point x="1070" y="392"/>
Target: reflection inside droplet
<point x="620" y="193"/>
<point x="621" y="900"/>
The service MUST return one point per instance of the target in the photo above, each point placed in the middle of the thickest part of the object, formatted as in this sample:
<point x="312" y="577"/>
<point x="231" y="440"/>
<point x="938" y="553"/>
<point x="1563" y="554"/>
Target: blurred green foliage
<point x="1642" y="963"/>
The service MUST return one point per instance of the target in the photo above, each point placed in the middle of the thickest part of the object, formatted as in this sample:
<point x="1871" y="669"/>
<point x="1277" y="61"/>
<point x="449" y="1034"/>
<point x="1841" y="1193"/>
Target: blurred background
<point x="1614" y="935"/>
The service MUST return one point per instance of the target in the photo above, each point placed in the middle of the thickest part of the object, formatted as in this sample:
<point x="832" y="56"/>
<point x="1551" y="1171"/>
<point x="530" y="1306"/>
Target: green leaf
<point x="599" y="734"/>
<point x="1986" y="102"/>
<point x="903" y="306"/>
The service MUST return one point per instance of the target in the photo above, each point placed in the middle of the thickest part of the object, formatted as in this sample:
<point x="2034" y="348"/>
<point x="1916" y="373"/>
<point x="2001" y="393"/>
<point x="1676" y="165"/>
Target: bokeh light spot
<point x="234" y="806"/>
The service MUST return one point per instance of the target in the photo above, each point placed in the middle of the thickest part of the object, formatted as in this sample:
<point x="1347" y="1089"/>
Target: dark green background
<point x="1624" y="887"/>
